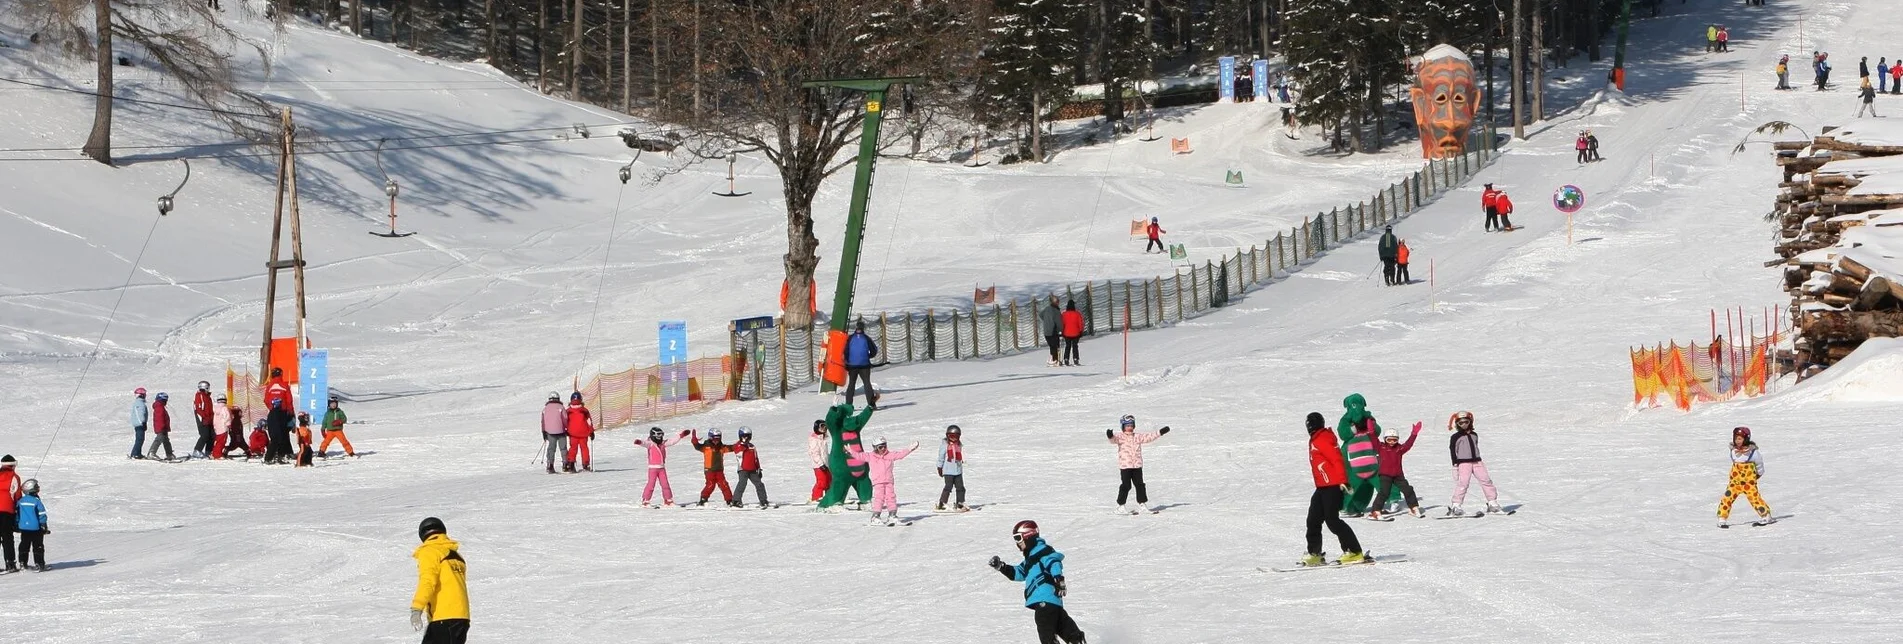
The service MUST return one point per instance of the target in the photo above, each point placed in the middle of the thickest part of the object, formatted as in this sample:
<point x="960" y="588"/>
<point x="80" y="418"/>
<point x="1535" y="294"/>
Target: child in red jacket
<point x="1389" y="451"/>
<point x="749" y="468"/>
<point x="1073" y="328"/>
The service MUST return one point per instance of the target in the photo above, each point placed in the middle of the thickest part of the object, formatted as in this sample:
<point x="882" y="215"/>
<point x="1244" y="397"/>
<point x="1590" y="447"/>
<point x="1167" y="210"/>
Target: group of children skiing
<point x="221" y="427"/>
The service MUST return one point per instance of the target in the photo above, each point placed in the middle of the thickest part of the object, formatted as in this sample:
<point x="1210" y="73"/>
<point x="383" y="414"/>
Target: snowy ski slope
<point x="450" y="339"/>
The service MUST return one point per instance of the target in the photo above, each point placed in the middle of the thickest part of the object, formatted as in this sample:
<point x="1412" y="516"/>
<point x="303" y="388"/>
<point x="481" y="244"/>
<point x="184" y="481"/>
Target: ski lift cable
<point x="601" y="278"/>
<point x="905" y="185"/>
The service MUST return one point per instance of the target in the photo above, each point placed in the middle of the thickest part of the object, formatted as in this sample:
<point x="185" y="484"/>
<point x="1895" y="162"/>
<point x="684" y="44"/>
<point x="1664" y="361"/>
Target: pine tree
<point x="1125" y="52"/>
<point x="1027" y="61"/>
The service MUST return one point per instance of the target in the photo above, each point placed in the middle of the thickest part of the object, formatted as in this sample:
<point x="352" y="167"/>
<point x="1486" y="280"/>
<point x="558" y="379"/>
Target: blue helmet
<point x="162" y="396"/>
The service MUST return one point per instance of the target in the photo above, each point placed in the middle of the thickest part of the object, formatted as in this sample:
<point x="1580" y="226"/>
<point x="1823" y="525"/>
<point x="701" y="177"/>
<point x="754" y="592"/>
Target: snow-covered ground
<point x="450" y="338"/>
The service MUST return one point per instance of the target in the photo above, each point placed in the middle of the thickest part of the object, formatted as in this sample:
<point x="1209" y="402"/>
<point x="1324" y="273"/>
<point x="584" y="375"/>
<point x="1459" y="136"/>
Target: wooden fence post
<point x="1015" y="345"/>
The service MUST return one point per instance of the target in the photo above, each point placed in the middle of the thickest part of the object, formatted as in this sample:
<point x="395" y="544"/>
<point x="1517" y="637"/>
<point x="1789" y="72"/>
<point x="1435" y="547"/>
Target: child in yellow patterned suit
<point x="1747" y="465"/>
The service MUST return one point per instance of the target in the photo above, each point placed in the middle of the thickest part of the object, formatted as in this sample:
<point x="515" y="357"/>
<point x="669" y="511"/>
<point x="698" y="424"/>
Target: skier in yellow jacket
<point x="442" y="589"/>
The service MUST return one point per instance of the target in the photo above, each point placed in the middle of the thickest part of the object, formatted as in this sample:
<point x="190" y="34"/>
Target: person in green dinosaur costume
<point x="1360" y="487"/>
<point x="848" y="473"/>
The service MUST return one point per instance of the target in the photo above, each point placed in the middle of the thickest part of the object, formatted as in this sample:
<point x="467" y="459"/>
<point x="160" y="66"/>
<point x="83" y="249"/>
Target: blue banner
<point x="1261" y="69"/>
<point x="313" y="382"/>
<point x="673" y="347"/>
<point x="1226" y="79"/>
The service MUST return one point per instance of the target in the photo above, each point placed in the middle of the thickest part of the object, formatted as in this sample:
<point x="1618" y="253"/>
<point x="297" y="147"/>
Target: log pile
<point x="1836" y="301"/>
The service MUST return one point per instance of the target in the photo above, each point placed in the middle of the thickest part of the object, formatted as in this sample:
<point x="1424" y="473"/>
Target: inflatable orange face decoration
<point x="1444" y="101"/>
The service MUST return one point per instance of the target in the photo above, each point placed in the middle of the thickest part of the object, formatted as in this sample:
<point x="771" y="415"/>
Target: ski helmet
<point x="1735" y="432"/>
<point x="819" y="426"/>
<point x="1315" y="421"/>
<point x="333" y="399"/>
<point x="204" y="386"/>
<point x="162" y="397"/>
<point x="31" y="486"/>
<point x="744" y="433"/>
<point x="140" y="392"/>
<point x="6" y="461"/>
<point x="276" y="372"/>
<point x="713" y="434"/>
<point x="303" y="419"/>
<point x="952" y="430"/>
<point x="1024" y="530"/>
<point x="431" y="525"/>
<point x="574" y="397"/>
<point x="1463" y="416"/>
<point x="878" y="443"/>
<point x="554" y="397"/>
<point x="1128" y="422"/>
<point x="655" y="434"/>
<point x="221" y="399"/>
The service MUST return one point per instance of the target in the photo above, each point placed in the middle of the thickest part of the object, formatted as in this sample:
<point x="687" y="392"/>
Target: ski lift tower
<point x="875" y="89"/>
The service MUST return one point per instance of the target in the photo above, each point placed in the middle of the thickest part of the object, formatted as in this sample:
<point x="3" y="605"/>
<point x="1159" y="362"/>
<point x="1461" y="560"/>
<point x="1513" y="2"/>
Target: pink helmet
<point x="139" y="392"/>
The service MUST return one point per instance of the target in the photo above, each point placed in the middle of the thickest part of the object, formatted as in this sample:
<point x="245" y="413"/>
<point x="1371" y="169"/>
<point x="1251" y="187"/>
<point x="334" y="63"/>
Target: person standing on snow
<point x="1883" y="74"/>
<point x="749" y="469"/>
<point x="161" y="429"/>
<point x="1822" y="67"/>
<point x="1711" y="38"/>
<point x="33" y="526"/>
<point x="581" y="430"/>
<point x="1504" y="204"/>
<point x="234" y="433"/>
<point x="10" y="492"/>
<point x="440" y="607"/>
<point x="879" y="463"/>
<point x="860" y="350"/>
<point x="951" y="466"/>
<point x="1592" y="147"/>
<point x="1155" y="231"/>
<point x="1389" y="250"/>
<point x="1464" y="446"/>
<point x="1579" y="149"/>
<point x="1042" y="572"/>
<point x="657" y="445"/>
<point x="1050" y="324"/>
<point x="1331" y="486"/>
<point x="1390" y="451"/>
<point x="554" y="430"/>
<point x="303" y="455"/>
<point x="1073" y="331"/>
<point x="713" y="466"/>
<point x="1401" y="253"/>
<point x="139" y="419"/>
<point x="1863" y="68"/>
<point x="278" y="425"/>
<point x="1488" y="199"/>
<point x="202" y="415"/>
<point x="1869" y="95"/>
<point x="1896" y="77"/>
<point x="334" y="420"/>
<point x="1130" y="461"/>
<point x="1724" y="39"/>
<point x="1747" y="466"/>
<point x="276" y="393"/>
<point x="221" y="427"/>
<point x="817" y="444"/>
<point x="1783" y="72"/>
<point x="1358" y="452"/>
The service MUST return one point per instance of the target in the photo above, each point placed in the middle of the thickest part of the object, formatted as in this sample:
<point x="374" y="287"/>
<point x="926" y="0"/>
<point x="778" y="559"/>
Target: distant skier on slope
<point x="749" y="469"/>
<point x="161" y="429"/>
<point x="33" y="526"/>
<point x="140" y="418"/>
<point x="1130" y="462"/>
<point x="1155" y="232"/>
<point x="581" y="430"/>
<point x="1401" y="254"/>
<point x="1488" y="199"/>
<point x="1747" y="466"/>
<point x="1042" y="572"/>
<point x="221" y="427"/>
<point x="1389" y="251"/>
<point x="879" y="463"/>
<point x="1331" y="486"/>
<point x="334" y="421"/>
<point x="1504" y="204"/>
<point x="276" y="392"/>
<point x="860" y="350"/>
<point x="554" y="431"/>
<point x="1464" y="447"/>
<point x="1050" y="324"/>
<point x="278" y="423"/>
<point x="1073" y="322"/>
<point x="304" y="451"/>
<point x="11" y="490"/>
<point x="202" y="416"/>
<point x="657" y="444"/>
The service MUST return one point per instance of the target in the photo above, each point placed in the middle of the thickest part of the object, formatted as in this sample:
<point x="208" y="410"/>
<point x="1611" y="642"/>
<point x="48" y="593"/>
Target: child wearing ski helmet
<point x="334" y="420"/>
<point x="441" y="602"/>
<point x="33" y="526"/>
<point x="1331" y="486"/>
<point x="581" y="430"/>
<point x="304" y="452"/>
<point x="879" y="462"/>
<point x="1389" y="452"/>
<point x="1747" y="466"/>
<point x="749" y="468"/>
<point x="555" y="429"/>
<point x="234" y="433"/>
<point x="1042" y="572"/>
<point x="260" y="442"/>
<point x="951" y="466"/>
<point x="817" y="446"/>
<point x="220" y="427"/>
<point x="657" y="445"/>
<point x="1129" y="444"/>
<point x="714" y="466"/>
<point x="140" y="417"/>
<point x="202" y="416"/>
<point x="1464" y="447"/>
<point x="161" y="428"/>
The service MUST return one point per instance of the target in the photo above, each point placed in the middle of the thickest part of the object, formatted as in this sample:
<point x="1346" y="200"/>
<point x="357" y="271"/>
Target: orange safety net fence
<point x="1701" y="374"/>
<point x="652" y="393"/>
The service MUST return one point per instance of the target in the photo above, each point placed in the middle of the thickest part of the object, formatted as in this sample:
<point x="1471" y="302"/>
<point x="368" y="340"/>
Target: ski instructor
<point x="441" y="606"/>
<point x="1390" y="251"/>
<point x="860" y="350"/>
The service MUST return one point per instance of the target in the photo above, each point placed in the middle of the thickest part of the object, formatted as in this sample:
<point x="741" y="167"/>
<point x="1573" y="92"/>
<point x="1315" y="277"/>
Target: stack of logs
<point x="1836" y="302"/>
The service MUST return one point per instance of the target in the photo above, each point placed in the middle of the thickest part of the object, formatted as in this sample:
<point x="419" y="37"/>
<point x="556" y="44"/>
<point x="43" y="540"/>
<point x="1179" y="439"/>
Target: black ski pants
<point x="953" y="482"/>
<point x="32" y="544"/>
<point x="1154" y="243"/>
<point x="856" y="375"/>
<point x="1493" y="218"/>
<point x="204" y="440"/>
<point x="1387" y="270"/>
<point x="1400" y="274"/>
<point x="1056" y="343"/>
<point x="447" y="631"/>
<point x="1054" y="623"/>
<point x="1388" y="483"/>
<point x="1070" y="351"/>
<point x="1325" y="508"/>
<point x="1582" y="156"/>
<point x="6" y="530"/>
<point x="1132" y="477"/>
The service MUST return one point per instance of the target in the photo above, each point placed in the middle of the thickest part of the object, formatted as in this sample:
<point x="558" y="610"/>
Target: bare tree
<point x="757" y="56"/>
<point x="187" y="40"/>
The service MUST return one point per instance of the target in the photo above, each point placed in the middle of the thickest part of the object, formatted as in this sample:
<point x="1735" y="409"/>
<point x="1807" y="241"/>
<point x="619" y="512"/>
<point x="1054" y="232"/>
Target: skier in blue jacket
<point x="33" y="526"/>
<point x="860" y="350"/>
<point x="1042" y="572"/>
<point x="139" y="418"/>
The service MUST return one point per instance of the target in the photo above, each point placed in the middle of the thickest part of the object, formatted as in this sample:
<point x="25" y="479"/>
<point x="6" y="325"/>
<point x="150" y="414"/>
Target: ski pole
<point x="539" y="450"/>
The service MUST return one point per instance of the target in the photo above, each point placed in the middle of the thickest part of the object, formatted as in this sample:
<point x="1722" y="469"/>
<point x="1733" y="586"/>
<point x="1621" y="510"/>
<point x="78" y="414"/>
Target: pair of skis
<point x="1337" y="564"/>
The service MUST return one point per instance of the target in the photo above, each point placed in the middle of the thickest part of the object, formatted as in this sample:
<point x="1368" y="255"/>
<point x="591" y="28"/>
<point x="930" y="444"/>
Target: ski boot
<point x="963" y="508"/>
<point x="938" y="508"/>
<point x="1313" y="560"/>
<point x="1494" y="507"/>
<point x="1724" y="523"/>
<point x="764" y="505"/>
<point x="701" y="504"/>
<point x="1416" y="511"/>
<point x="1767" y="520"/>
<point x="1351" y="558"/>
<point x="42" y="568"/>
<point x="1456" y="511"/>
<point x="588" y="468"/>
<point x="1374" y="515"/>
<point x="551" y="468"/>
<point x="11" y="569"/>
<point x="875" y="520"/>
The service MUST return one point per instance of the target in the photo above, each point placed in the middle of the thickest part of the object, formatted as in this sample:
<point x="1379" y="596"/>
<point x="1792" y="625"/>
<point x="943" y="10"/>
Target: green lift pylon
<point x="875" y="89"/>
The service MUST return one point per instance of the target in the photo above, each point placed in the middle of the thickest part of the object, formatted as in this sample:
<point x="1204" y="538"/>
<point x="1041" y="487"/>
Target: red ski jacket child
<point x="749" y="457"/>
<point x="1073" y="324"/>
<point x="1324" y="459"/>
<point x="1390" y="455"/>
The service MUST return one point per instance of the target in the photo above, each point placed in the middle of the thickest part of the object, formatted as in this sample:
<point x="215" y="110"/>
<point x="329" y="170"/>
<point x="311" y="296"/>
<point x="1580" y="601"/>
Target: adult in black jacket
<point x="277" y="425"/>
<point x="1390" y="255"/>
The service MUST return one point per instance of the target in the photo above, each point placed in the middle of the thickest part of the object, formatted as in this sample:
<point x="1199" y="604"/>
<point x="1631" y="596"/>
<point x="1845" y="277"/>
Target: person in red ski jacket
<point x="161" y="428"/>
<point x="276" y="390"/>
<point x="1073" y="323"/>
<point x="1504" y="205"/>
<point x="749" y="469"/>
<point x="1331" y="484"/>
<point x="581" y="429"/>
<point x="10" y="492"/>
<point x="202" y="412"/>
<point x="1389" y="451"/>
<point x="1488" y="197"/>
<point x="1155" y="230"/>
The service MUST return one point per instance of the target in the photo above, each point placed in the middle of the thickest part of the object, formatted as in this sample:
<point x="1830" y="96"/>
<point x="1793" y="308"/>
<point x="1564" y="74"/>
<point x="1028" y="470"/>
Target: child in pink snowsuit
<point x="879" y="464"/>
<point x="657" y="463"/>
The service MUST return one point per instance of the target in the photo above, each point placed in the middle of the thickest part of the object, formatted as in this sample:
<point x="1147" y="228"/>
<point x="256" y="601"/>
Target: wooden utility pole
<point x="1539" y="59"/>
<point x="1519" y="71"/>
<point x="286" y="194"/>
